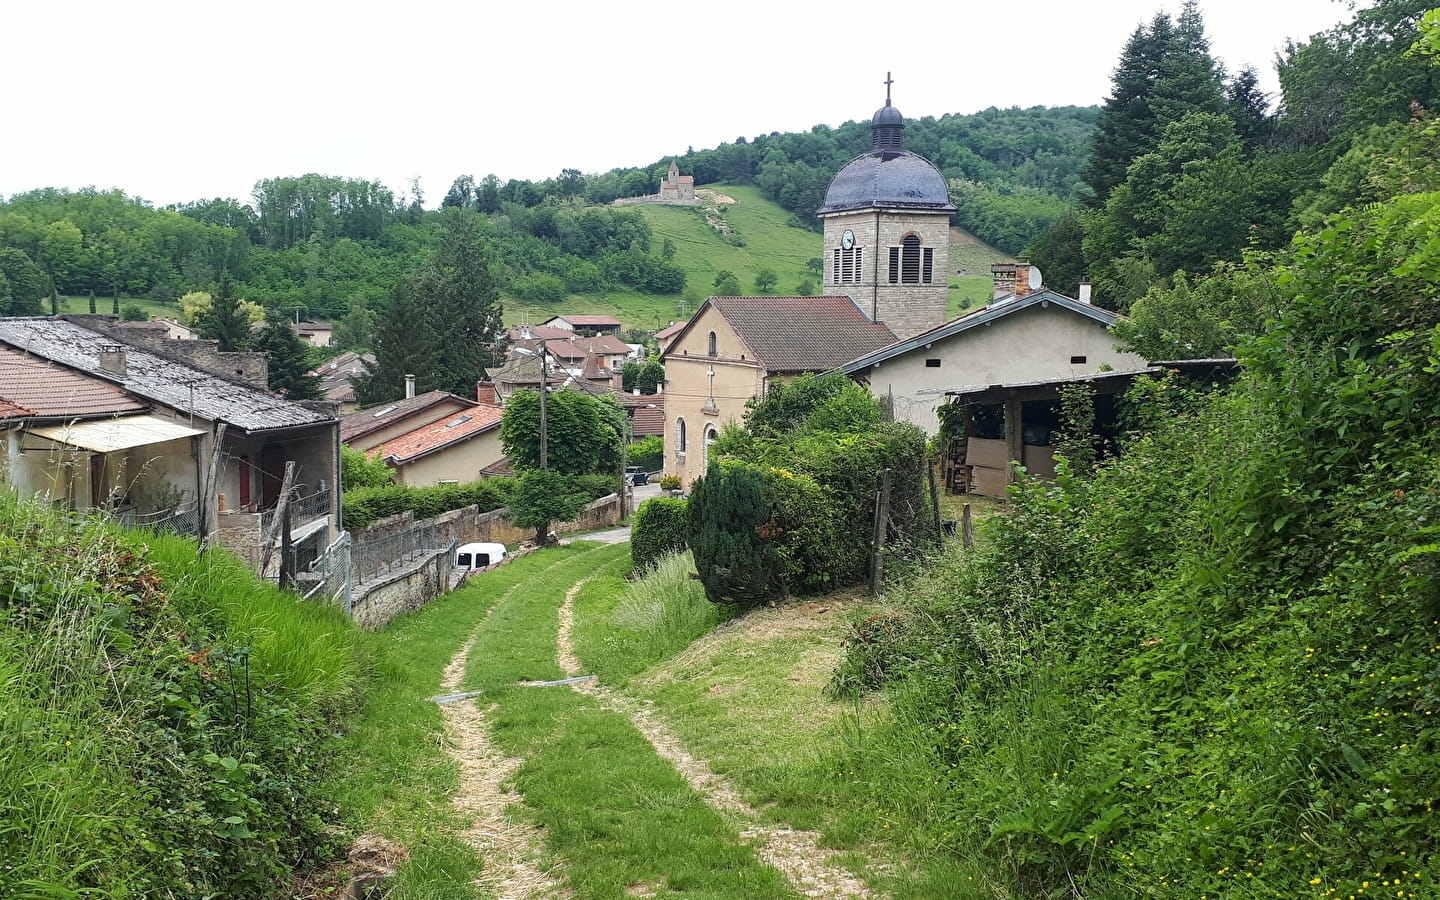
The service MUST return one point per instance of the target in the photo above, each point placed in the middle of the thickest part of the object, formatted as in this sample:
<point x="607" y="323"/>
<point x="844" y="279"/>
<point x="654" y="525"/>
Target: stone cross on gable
<point x="888" y="81"/>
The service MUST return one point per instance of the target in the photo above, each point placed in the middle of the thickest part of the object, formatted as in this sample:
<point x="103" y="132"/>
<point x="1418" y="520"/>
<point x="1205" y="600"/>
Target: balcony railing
<point x="182" y="520"/>
<point x="302" y="510"/>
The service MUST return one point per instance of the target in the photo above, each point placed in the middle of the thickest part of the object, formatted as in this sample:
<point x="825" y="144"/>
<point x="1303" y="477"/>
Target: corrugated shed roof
<point x="590" y="320"/>
<point x="537" y="332"/>
<point x="441" y="433"/>
<point x="31" y="386"/>
<point x="801" y="334"/>
<point x="121" y="433"/>
<point x="158" y="378"/>
<point x="358" y="424"/>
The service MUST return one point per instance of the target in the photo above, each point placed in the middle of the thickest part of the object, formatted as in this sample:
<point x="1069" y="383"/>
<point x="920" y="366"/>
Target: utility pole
<point x="625" y="487"/>
<point x="544" y="389"/>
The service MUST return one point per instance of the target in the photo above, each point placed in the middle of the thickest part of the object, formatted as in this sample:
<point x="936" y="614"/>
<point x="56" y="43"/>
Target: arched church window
<point x="712" y="345"/>
<point x="680" y="437"/>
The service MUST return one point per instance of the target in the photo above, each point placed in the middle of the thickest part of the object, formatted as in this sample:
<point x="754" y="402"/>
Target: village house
<point x="204" y="452"/>
<point x="1028" y="334"/>
<point x="314" y="334"/>
<point x="367" y="429"/>
<point x="451" y="450"/>
<point x="337" y="378"/>
<point x="734" y="348"/>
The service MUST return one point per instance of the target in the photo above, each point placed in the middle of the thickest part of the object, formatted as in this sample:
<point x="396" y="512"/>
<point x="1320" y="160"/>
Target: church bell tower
<point x="887" y="231"/>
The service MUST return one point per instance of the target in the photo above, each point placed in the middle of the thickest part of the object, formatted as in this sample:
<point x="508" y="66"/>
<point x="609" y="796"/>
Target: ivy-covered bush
<point x="657" y="530"/>
<point x="366" y="505"/>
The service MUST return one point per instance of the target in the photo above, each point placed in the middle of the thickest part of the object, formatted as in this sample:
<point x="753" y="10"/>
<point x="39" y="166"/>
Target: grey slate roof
<point x="1002" y="307"/>
<point x="887" y="179"/>
<point x="358" y="424"/>
<point x="157" y="378"/>
<point x="799" y="334"/>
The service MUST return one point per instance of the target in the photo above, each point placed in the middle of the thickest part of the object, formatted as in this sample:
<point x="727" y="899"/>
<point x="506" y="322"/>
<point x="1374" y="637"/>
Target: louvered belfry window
<point x="847" y="265"/>
<point x="910" y="260"/>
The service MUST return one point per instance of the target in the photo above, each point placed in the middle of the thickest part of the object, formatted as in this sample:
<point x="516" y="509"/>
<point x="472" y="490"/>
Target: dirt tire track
<point x="509" y="850"/>
<point x="795" y="852"/>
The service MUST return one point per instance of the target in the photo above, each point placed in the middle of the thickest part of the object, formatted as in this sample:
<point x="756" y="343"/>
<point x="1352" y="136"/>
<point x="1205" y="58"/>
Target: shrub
<point x="359" y="469"/>
<point x="732" y="532"/>
<point x="363" y="506"/>
<point x="669" y="482"/>
<point x="648" y="453"/>
<point x="658" y="530"/>
<point x="593" y="487"/>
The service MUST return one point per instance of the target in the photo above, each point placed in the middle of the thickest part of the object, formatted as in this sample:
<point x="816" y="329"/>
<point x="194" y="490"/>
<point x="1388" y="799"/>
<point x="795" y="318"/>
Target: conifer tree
<point x="92" y="301"/>
<point x="226" y="322"/>
<point x="729" y="514"/>
<point x="288" y="366"/>
<point x="1165" y="73"/>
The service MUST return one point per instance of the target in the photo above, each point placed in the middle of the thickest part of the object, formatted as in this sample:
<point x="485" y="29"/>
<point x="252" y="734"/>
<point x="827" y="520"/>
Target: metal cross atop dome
<point x="888" y="81"/>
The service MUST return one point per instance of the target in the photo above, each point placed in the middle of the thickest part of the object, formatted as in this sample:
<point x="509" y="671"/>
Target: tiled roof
<point x="628" y="400"/>
<point x="670" y="330"/>
<point x="441" y="433"/>
<point x="337" y="377"/>
<point x="358" y="424"/>
<point x="158" y="378"/>
<point x="30" y="386"/>
<point x="801" y="334"/>
<point x="646" y="422"/>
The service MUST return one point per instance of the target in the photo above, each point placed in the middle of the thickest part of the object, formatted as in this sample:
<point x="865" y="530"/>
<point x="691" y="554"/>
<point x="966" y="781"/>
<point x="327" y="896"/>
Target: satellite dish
<point x="1036" y="279"/>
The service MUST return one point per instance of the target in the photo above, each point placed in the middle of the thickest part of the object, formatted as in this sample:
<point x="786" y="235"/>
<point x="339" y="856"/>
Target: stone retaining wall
<point x="469" y="525"/>
<point x="378" y="601"/>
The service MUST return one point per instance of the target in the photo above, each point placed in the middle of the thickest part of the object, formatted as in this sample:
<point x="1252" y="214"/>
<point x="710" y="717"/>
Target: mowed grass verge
<point x="750" y="698"/>
<point x="616" y="816"/>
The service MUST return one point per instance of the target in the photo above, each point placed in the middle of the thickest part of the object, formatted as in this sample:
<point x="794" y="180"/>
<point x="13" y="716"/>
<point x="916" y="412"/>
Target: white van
<point x="474" y="557"/>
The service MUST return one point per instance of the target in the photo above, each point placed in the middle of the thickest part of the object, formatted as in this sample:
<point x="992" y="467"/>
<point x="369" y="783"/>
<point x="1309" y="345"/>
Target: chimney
<point x="1002" y="279"/>
<point x="409" y="386"/>
<point x="485" y="393"/>
<point x="112" y="359"/>
<point x="1084" y="292"/>
<point x="1022" y="280"/>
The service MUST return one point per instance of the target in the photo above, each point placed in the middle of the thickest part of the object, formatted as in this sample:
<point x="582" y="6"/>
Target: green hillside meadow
<point x="763" y="238"/>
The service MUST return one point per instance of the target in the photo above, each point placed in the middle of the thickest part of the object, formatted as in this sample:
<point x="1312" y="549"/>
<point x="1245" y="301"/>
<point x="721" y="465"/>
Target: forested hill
<point x="327" y="246"/>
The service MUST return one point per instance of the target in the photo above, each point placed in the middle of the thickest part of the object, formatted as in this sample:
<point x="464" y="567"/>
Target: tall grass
<point x="162" y="715"/>
<point x="626" y="628"/>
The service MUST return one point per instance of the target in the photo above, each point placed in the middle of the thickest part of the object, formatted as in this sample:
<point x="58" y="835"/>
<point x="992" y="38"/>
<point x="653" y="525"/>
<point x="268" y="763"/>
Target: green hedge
<point x="658" y="530"/>
<point x="365" y="505"/>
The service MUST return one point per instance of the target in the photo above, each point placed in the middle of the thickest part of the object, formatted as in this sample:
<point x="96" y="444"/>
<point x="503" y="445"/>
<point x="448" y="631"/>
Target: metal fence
<point x="378" y="555"/>
<point x="332" y="576"/>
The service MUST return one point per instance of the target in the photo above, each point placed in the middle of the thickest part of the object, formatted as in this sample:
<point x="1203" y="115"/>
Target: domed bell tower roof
<point x="889" y="176"/>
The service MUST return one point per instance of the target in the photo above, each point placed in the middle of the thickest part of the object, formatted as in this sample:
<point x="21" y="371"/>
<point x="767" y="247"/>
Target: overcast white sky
<point x="175" y="101"/>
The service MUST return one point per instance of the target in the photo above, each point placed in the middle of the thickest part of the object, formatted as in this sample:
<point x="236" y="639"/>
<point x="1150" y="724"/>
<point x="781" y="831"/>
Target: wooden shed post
<point x="1014" y="439"/>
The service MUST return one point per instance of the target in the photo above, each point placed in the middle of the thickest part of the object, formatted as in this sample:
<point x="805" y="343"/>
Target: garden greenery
<point x="1210" y="669"/>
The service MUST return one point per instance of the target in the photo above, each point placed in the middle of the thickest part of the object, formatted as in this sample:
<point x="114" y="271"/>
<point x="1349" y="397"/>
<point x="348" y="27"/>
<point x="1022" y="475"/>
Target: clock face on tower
<point x="847" y="240"/>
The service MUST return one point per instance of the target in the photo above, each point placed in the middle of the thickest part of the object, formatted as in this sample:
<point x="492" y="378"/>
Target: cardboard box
<point x="987" y="452"/>
<point x="988" y="482"/>
<point x="1040" y="461"/>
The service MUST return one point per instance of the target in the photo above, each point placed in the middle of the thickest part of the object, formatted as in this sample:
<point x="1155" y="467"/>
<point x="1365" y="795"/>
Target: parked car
<point x="636" y="475"/>
<point x="478" y="556"/>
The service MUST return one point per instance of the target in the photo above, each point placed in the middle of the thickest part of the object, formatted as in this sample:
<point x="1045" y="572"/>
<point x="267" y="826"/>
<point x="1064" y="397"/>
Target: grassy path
<point x="794" y="852"/>
<point x="617" y="820"/>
